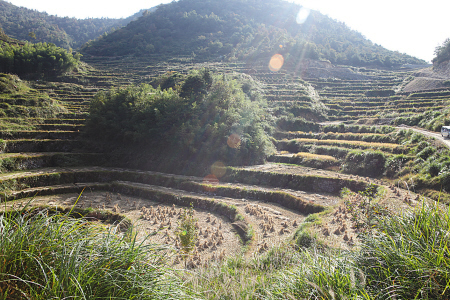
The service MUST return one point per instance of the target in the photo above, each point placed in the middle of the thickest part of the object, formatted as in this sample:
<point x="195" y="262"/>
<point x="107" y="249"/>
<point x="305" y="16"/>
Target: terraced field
<point x="377" y="96"/>
<point x="249" y="211"/>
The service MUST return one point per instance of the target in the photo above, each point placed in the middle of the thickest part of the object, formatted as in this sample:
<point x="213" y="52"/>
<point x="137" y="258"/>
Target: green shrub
<point x="394" y="164"/>
<point x="303" y="239"/>
<point x="36" y="59"/>
<point x="186" y="230"/>
<point x="366" y="163"/>
<point x="296" y="124"/>
<point x="434" y="168"/>
<point x="422" y="145"/>
<point x="426" y="152"/>
<point x="214" y="119"/>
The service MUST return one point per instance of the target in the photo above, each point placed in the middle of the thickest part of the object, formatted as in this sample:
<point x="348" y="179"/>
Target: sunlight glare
<point x="218" y="169"/>
<point x="234" y="141"/>
<point x="210" y="180"/>
<point x="302" y="15"/>
<point x="276" y="62"/>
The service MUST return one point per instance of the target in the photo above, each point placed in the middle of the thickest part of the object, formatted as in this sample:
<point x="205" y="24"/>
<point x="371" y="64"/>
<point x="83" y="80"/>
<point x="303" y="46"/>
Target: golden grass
<point x="350" y="143"/>
<point x="315" y="156"/>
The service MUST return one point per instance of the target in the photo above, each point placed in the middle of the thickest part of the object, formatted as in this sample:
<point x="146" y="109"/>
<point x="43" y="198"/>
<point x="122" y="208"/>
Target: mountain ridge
<point x="244" y="30"/>
<point x="31" y="25"/>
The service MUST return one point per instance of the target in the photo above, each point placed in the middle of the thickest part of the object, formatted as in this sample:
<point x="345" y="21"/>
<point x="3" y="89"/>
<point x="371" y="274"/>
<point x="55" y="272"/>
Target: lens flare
<point x="303" y="15"/>
<point x="281" y="46"/>
<point x="234" y="141"/>
<point x="218" y="169"/>
<point x="211" y="180"/>
<point x="276" y="63"/>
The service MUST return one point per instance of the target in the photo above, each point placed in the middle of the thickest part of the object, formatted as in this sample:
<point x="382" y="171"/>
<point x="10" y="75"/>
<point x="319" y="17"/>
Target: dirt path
<point x="428" y="133"/>
<point x="435" y="135"/>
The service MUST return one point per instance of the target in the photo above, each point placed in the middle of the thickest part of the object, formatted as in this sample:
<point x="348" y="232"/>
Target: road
<point x="436" y="135"/>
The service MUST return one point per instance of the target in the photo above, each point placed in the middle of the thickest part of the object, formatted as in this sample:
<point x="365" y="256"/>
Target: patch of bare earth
<point x="429" y="79"/>
<point x="341" y="227"/>
<point x="156" y="222"/>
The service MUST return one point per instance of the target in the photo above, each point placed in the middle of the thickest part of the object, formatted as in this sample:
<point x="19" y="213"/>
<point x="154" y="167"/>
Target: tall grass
<point x="409" y="256"/>
<point x="403" y="257"/>
<point x="47" y="256"/>
<point x="54" y="257"/>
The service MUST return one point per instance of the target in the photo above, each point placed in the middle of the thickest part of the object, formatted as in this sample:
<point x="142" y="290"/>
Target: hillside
<point x="207" y="174"/>
<point x="435" y="77"/>
<point x="244" y="30"/>
<point x="21" y="23"/>
<point x="5" y="38"/>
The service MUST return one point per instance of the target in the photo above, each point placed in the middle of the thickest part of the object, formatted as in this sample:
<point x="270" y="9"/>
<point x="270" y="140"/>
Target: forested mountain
<point x="30" y="25"/>
<point x="5" y="38"/>
<point x="243" y="29"/>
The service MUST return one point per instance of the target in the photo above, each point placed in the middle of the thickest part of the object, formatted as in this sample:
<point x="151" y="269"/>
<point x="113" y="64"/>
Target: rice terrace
<point x="219" y="150"/>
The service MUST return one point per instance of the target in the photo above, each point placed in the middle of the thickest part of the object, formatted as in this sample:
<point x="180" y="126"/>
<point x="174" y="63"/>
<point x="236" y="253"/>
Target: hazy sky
<point x="412" y="27"/>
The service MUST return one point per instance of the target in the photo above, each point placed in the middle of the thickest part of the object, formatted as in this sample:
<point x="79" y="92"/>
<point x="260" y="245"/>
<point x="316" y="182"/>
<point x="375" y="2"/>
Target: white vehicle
<point x="445" y="131"/>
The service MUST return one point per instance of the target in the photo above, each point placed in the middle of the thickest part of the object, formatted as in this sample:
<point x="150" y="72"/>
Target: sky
<point x="412" y="27"/>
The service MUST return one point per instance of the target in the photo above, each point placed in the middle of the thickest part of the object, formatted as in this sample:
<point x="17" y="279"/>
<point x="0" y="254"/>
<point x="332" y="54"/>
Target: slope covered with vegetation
<point x="244" y="30"/>
<point x="36" y="60"/>
<point x="207" y="118"/>
<point x="33" y="26"/>
<point x="18" y="100"/>
<point x="142" y="138"/>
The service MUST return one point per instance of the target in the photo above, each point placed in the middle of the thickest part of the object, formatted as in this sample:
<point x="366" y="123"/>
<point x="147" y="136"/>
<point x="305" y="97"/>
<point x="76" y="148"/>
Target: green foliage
<point x="431" y="119"/>
<point x="442" y="53"/>
<point x="403" y="255"/>
<point x="366" y="163"/>
<point x="20" y="102"/>
<point x="35" y="59"/>
<point x="296" y="124"/>
<point x="342" y="128"/>
<point x="409" y="255"/>
<point x="186" y="231"/>
<point x="34" y="26"/>
<point x="425" y="168"/>
<point x="168" y="80"/>
<point x="394" y="164"/>
<point x="303" y="238"/>
<point x="195" y="130"/>
<point x="48" y="256"/>
<point x="196" y="85"/>
<point x="426" y="152"/>
<point x="243" y="30"/>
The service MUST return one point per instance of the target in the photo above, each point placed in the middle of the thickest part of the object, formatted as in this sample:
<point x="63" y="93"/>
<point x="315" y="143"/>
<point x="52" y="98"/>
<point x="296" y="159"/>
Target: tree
<point x="196" y="84"/>
<point x="442" y="53"/>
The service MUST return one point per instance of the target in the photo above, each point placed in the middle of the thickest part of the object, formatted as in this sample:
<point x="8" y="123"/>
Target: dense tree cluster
<point x="208" y="118"/>
<point x="35" y="59"/>
<point x="33" y="26"/>
<point x="442" y="53"/>
<point x="245" y="30"/>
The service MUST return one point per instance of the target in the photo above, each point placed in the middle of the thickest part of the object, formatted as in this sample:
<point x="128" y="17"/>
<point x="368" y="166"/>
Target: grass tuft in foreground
<point x="408" y="257"/>
<point x="46" y="256"/>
